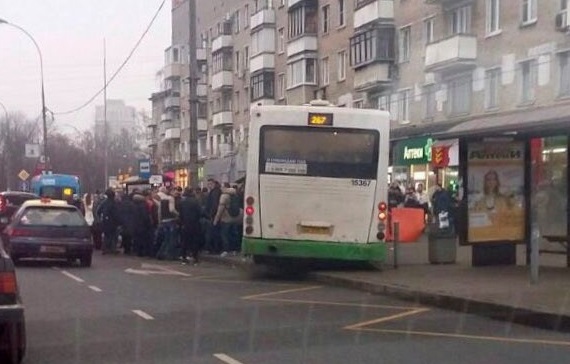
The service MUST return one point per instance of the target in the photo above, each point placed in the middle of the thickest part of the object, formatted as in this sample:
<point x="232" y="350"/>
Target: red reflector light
<point x="8" y="283"/>
<point x="2" y="203"/>
<point x="249" y="210"/>
<point x="19" y="232"/>
<point x="382" y="215"/>
<point x="382" y="206"/>
<point x="250" y="200"/>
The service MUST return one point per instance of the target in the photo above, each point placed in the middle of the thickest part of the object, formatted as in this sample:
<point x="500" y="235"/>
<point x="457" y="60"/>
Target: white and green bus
<point x="316" y="185"/>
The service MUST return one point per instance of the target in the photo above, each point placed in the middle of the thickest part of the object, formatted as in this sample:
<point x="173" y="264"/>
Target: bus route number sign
<point x="320" y="119"/>
<point x="361" y="182"/>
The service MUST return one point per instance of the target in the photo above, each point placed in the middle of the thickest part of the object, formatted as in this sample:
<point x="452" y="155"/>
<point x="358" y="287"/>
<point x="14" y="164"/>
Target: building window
<point x="358" y="104"/>
<point x="302" y="20"/>
<point x="326" y="18"/>
<point x="372" y="45"/>
<point x="341" y="19"/>
<point x="404" y="105"/>
<point x="246" y="16"/>
<point x="341" y="65"/>
<point x="564" y="61"/>
<point x="281" y="40"/>
<point x="493" y="16"/>
<point x="301" y="72"/>
<point x="528" y="11"/>
<point x="262" y="86"/>
<point x="492" y="84"/>
<point x="429" y="101"/>
<point x="325" y="71"/>
<point x="237" y="101"/>
<point x="246" y="57"/>
<point x="384" y="103"/>
<point x="222" y="61"/>
<point x="238" y="63"/>
<point x="429" y="26"/>
<point x="460" y="20"/>
<point x="528" y="79"/>
<point x="405" y="42"/>
<point x="281" y="86"/>
<point x="237" y="24"/>
<point x="460" y="89"/>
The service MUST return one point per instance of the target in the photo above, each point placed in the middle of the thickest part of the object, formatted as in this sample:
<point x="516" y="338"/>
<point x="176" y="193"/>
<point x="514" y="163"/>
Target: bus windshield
<point x="315" y="152"/>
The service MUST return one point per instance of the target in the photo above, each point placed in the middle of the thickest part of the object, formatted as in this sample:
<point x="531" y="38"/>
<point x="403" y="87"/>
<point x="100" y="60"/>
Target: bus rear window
<point x="327" y="152"/>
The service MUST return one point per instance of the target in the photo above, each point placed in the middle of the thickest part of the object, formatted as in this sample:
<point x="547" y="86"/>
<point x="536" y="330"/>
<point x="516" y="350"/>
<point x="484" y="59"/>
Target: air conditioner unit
<point x="561" y="20"/>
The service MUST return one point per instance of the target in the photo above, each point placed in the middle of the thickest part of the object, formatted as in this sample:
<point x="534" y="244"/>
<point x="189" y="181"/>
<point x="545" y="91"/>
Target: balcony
<point x="291" y="3"/>
<point x="224" y="149"/>
<point x="151" y="123"/>
<point x="222" y="118"/>
<point x="369" y="11"/>
<point x="222" y="79"/>
<point x="152" y="141"/>
<point x="202" y="90"/>
<point x="172" y="102"/>
<point x="261" y="61"/>
<point x="454" y="54"/>
<point x="202" y="124"/>
<point x="173" y="70"/>
<point x="306" y="42"/>
<point x="222" y="41"/>
<point x="167" y="117"/>
<point x="262" y="17"/>
<point x="172" y="134"/>
<point x="201" y="55"/>
<point x="372" y="78"/>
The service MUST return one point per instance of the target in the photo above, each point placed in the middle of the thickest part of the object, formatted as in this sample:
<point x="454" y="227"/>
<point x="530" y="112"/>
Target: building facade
<point x="432" y="63"/>
<point x="119" y="117"/>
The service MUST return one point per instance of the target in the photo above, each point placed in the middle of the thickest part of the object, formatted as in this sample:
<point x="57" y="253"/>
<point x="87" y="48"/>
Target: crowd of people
<point x="169" y="223"/>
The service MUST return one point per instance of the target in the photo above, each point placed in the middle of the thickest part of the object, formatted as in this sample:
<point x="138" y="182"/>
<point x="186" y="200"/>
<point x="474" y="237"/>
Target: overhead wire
<point x="120" y="68"/>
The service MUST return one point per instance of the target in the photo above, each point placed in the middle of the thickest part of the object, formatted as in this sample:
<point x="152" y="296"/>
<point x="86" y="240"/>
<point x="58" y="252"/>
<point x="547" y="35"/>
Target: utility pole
<point x="7" y="149"/>
<point x="105" y="126"/>
<point x="193" y="94"/>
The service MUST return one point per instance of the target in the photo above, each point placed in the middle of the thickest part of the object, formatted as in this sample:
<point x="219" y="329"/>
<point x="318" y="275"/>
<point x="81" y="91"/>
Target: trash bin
<point x="442" y="245"/>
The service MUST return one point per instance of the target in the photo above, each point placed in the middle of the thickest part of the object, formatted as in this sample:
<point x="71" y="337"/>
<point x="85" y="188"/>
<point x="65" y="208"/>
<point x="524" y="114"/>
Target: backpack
<point x="234" y="207"/>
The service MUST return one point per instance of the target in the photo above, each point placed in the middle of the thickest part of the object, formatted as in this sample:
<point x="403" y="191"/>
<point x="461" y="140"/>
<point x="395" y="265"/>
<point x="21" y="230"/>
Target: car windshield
<point x="51" y="216"/>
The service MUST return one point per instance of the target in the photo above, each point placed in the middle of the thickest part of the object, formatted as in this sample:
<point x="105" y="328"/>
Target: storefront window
<point x="549" y="199"/>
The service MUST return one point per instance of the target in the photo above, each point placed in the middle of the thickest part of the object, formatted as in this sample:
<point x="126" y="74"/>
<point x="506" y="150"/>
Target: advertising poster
<point x="496" y="192"/>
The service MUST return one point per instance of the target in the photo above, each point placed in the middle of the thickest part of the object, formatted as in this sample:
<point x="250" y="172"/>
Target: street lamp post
<point x="46" y="158"/>
<point x="8" y="160"/>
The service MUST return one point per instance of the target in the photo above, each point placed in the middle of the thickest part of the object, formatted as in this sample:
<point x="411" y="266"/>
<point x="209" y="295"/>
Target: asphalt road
<point x="131" y="310"/>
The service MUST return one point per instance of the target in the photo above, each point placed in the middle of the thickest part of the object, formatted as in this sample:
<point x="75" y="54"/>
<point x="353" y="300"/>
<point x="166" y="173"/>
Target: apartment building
<point x="432" y="63"/>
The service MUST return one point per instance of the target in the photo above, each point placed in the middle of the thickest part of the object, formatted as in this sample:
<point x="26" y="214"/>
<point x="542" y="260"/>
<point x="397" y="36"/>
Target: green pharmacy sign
<point x="413" y="151"/>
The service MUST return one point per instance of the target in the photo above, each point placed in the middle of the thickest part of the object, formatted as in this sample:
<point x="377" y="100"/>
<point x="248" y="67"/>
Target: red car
<point x="48" y="229"/>
<point x="10" y="201"/>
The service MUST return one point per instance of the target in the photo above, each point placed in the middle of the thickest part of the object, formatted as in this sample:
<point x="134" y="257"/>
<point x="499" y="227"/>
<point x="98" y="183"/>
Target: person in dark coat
<point x="213" y="237"/>
<point x="191" y="229"/>
<point x="143" y="227"/>
<point x="128" y="217"/>
<point x="110" y="221"/>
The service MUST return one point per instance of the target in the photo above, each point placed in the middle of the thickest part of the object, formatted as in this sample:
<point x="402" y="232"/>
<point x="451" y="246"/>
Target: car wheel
<point x="86" y="260"/>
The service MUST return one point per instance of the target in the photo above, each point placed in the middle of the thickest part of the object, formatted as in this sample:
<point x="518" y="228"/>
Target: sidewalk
<point x="503" y="292"/>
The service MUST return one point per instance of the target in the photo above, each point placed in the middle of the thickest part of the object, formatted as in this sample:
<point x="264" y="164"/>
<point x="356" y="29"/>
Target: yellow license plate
<point x="315" y="230"/>
<point x="52" y="249"/>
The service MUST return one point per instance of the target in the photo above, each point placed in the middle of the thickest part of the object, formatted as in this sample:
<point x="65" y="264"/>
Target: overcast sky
<point x="70" y="35"/>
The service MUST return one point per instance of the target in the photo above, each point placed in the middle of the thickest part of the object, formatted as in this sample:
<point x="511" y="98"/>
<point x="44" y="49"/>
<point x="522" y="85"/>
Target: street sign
<point x="23" y="175"/>
<point x="25" y="186"/>
<point x="155" y="179"/>
<point x="144" y="168"/>
<point x="32" y="150"/>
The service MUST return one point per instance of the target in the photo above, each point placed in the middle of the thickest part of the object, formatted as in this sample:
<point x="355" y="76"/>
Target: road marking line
<point x="143" y="314"/>
<point x="227" y="359"/>
<point x="475" y="337"/>
<point x="95" y="288"/>
<point x="256" y="296"/>
<point x="74" y="277"/>
<point x="325" y="303"/>
<point x="360" y="325"/>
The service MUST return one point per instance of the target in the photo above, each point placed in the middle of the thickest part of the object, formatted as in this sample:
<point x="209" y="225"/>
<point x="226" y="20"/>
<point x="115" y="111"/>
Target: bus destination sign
<point x="320" y="119"/>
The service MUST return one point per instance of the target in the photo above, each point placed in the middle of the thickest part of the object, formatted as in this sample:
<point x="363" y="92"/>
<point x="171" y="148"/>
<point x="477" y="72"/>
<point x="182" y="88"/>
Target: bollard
<point x="396" y="236"/>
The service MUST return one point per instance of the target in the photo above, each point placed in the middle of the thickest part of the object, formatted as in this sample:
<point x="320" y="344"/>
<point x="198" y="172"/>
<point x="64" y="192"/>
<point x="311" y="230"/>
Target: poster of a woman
<point x="495" y="194"/>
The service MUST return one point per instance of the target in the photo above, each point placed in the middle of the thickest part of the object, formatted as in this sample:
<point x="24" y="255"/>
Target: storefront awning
<point x="527" y="121"/>
<point x="420" y="130"/>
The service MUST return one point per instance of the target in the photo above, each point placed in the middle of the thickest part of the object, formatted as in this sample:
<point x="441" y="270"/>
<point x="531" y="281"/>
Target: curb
<point x="493" y="310"/>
